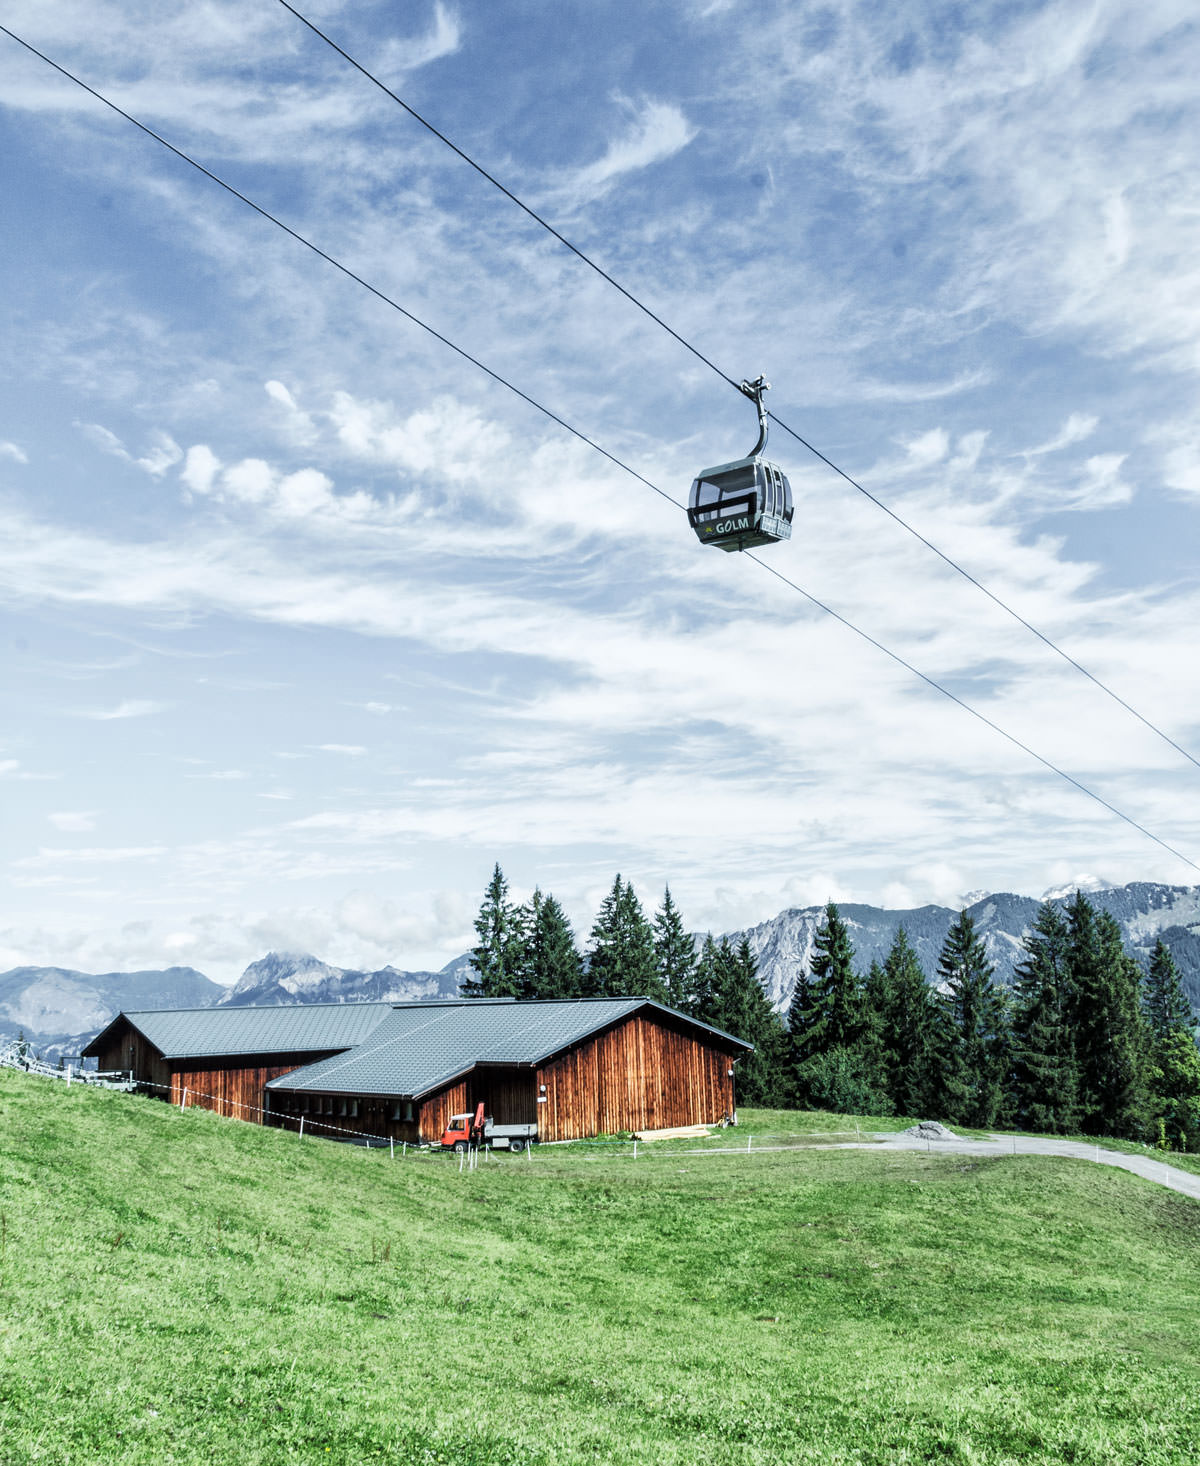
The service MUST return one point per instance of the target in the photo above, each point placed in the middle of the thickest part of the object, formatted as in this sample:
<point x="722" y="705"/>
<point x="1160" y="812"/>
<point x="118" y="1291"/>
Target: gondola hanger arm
<point x="754" y="390"/>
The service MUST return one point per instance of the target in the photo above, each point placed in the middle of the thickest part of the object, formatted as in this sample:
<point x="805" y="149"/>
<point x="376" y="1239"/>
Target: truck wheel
<point x="459" y="1147"/>
<point x="517" y="1145"/>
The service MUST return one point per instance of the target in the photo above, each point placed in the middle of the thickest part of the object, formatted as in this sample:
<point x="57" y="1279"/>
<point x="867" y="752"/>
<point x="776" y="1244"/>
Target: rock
<point x="931" y="1130"/>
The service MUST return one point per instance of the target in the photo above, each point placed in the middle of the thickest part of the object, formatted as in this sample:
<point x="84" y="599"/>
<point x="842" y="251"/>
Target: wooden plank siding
<point x="126" y="1048"/>
<point x="234" y="1086"/>
<point x="644" y="1074"/>
<point x="436" y="1110"/>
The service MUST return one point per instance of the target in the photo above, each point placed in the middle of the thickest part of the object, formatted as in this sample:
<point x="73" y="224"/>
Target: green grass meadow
<point x="176" y="1287"/>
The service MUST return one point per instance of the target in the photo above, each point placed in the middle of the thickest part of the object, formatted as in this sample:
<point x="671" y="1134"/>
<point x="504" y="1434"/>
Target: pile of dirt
<point x="931" y="1130"/>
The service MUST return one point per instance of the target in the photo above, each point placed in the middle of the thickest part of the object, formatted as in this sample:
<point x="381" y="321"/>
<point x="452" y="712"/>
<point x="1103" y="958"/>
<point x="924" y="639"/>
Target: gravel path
<point x="1150" y="1167"/>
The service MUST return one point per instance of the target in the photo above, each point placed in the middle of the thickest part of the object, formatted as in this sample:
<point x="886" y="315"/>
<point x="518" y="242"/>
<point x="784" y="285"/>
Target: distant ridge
<point x="1144" y="911"/>
<point x="289" y="977"/>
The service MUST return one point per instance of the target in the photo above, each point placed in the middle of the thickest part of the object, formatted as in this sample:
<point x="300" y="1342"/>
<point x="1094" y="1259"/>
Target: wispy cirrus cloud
<point x="655" y="131"/>
<point x="132" y="707"/>
<point x="163" y="451"/>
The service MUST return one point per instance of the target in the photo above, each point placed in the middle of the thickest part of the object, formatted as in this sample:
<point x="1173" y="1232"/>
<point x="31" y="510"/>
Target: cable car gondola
<point x="748" y="502"/>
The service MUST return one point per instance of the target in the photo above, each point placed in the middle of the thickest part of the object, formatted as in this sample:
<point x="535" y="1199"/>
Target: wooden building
<point x="222" y="1058"/>
<point x="575" y="1067"/>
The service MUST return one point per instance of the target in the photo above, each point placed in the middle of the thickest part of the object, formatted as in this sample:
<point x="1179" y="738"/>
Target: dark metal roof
<point x="193" y="1033"/>
<point x="422" y="1046"/>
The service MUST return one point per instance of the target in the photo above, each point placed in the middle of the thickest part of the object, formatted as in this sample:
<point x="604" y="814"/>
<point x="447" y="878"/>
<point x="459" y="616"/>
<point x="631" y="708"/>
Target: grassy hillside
<point x="179" y="1288"/>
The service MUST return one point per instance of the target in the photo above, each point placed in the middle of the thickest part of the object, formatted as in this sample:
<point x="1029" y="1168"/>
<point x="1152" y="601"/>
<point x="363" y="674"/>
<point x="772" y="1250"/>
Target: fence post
<point x="392" y="1146"/>
<point x="749" y="1143"/>
<point x="301" y="1127"/>
<point x="183" y="1101"/>
<point x="635" y="1147"/>
<point x="404" y="1152"/>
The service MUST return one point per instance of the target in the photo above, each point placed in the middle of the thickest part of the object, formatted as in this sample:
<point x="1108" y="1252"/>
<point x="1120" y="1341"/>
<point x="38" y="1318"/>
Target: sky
<point x="306" y="621"/>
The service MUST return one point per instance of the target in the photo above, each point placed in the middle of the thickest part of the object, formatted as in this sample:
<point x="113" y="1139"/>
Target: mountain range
<point x="59" y="1010"/>
<point x="1144" y="911"/>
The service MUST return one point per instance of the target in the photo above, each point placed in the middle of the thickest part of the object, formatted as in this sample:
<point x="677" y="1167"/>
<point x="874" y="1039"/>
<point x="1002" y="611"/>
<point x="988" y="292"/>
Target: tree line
<point x="1086" y="1041"/>
<point x="529" y="951"/>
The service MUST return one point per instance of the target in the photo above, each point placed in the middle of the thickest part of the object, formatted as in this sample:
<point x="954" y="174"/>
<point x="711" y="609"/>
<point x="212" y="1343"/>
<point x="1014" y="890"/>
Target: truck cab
<point x="458" y="1132"/>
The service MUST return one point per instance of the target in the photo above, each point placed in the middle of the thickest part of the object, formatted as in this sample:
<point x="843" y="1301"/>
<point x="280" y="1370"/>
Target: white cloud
<point x="351" y="750"/>
<point x="11" y="450"/>
<point x="1179" y="446"/>
<point x="656" y="132"/>
<point x="1078" y="426"/>
<point x="200" y="469"/>
<point x="72" y="822"/>
<point x="442" y="39"/>
<point x="131" y="707"/>
<point x="162" y="453"/>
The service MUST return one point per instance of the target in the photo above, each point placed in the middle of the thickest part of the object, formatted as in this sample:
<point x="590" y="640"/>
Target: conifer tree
<point x="748" y="1015"/>
<point x="499" y="956"/>
<point x="905" y="1019"/>
<point x="708" y="984"/>
<point x="830" y="1054"/>
<point x="1165" y="1005"/>
<point x="674" y="955"/>
<point x="1045" y="1072"/>
<point x="553" y="967"/>
<point x="1110" y="1035"/>
<point x="975" y="1027"/>
<point x="1173" y="1074"/>
<point x="835" y="1003"/>
<point x="621" y="959"/>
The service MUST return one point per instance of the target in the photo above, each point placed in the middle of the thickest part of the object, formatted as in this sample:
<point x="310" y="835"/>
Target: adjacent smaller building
<point x="222" y="1058"/>
<point x="575" y="1067"/>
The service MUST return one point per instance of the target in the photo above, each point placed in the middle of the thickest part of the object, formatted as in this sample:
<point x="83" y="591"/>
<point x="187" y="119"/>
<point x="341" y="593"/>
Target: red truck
<point x="480" y="1129"/>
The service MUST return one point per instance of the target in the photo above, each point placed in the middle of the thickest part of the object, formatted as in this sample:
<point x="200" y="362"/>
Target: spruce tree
<point x="905" y="1018"/>
<point x="621" y="959"/>
<point x="975" y="1028"/>
<point x="1110" y="1034"/>
<point x="1173" y="1073"/>
<point x="835" y="1018"/>
<point x="674" y="955"/>
<point x="553" y="967"/>
<point x="831" y="1061"/>
<point x="1045" y="1071"/>
<point x="708" y="984"/>
<point x="499" y="956"/>
<point x="748" y="1015"/>
<point x="1164" y="1003"/>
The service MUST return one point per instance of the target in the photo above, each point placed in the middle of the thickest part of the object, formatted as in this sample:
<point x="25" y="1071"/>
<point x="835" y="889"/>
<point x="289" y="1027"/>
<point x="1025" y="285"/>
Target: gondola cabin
<point x="739" y="505"/>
